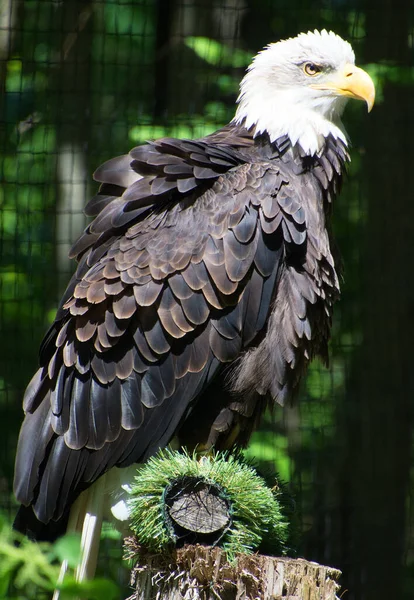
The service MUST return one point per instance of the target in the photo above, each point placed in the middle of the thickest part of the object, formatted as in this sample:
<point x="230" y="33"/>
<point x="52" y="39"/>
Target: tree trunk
<point x="73" y="118"/>
<point x="203" y="573"/>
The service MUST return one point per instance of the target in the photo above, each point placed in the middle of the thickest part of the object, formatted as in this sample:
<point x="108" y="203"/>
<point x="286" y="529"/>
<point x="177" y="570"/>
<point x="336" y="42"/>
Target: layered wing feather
<point x="177" y="276"/>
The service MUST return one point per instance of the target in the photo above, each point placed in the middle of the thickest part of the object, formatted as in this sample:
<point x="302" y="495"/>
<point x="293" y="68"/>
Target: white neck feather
<point x="285" y="113"/>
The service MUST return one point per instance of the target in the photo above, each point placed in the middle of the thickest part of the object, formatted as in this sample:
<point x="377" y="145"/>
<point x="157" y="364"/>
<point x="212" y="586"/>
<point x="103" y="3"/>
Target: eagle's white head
<point x="299" y="87"/>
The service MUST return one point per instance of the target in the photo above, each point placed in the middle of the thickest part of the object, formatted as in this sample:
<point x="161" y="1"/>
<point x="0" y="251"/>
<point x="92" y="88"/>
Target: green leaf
<point x="109" y="532"/>
<point x="194" y="128"/>
<point x="95" y="589"/>
<point x="218" y="54"/>
<point x="4" y="583"/>
<point x="383" y="73"/>
<point x="268" y="446"/>
<point x="68" y="548"/>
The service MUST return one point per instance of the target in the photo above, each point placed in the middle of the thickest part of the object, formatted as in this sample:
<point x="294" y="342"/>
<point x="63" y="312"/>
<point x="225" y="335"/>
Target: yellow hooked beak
<point x="352" y="82"/>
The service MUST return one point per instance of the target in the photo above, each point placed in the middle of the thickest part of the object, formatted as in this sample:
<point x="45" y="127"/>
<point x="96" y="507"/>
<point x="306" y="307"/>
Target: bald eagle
<point x="204" y="286"/>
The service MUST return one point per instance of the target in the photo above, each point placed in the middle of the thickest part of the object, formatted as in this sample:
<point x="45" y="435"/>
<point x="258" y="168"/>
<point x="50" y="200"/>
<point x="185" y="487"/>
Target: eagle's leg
<point x="86" y="518"/>
<point x="91" y="530"/>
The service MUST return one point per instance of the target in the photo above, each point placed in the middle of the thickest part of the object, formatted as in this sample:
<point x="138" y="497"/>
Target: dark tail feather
<point x="29" y="525"/>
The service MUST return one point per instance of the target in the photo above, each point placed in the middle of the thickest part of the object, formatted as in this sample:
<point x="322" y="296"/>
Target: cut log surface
<point x="201" y="512"/>
<point x="203" y="573"/>
<point x="196" y="508"/>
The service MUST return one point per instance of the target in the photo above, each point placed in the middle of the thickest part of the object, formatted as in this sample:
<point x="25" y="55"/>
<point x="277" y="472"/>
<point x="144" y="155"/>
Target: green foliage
<point x="271" y="447"/>
<point x="68" y="548"/>
<point x="24" y="563"/>
<point x="193" y="127"/>
<point x="385" y="73"/>
<point x="217" y="54"/>
<point x="29" y="569"/>
<point x="254" y="507"/>
<point x="94" y="589"/>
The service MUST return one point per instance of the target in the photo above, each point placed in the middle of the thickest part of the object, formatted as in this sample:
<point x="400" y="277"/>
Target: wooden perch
<point x="184" y="508"/>
<point x="203" y="573"/>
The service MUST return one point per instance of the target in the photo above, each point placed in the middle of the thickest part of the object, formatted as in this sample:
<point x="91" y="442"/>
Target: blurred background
<point x="85" y="80"/>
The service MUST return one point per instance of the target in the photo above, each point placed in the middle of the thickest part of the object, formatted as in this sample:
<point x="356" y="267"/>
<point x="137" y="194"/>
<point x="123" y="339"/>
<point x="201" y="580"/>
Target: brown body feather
<point x="205" y="285"/>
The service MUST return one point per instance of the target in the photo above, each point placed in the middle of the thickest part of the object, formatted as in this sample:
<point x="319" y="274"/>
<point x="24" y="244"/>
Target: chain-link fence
<point x="85" y="80"/>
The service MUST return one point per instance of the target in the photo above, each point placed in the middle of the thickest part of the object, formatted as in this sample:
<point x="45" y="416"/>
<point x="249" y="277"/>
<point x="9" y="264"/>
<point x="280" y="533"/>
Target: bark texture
<point x="203" y="573"/>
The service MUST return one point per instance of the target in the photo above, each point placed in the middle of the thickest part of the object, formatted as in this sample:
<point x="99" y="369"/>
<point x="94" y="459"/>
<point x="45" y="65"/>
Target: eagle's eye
<point x="311" y="69"/>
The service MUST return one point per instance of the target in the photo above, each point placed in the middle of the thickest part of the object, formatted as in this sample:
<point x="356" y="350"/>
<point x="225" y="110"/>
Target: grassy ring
<point x="254" y="507"/>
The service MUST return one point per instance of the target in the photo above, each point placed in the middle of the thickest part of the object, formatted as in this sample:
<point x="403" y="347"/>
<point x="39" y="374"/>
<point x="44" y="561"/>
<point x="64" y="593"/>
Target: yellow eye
<point x="311" y="69"/>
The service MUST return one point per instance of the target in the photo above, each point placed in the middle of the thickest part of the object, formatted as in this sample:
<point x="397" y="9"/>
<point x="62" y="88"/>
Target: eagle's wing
<point x="176" y="277"/>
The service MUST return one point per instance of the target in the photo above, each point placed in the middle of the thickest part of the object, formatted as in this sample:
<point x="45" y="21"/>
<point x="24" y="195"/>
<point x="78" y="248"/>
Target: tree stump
<point x="197" y="522"/>
<point x="197" y="572"/>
